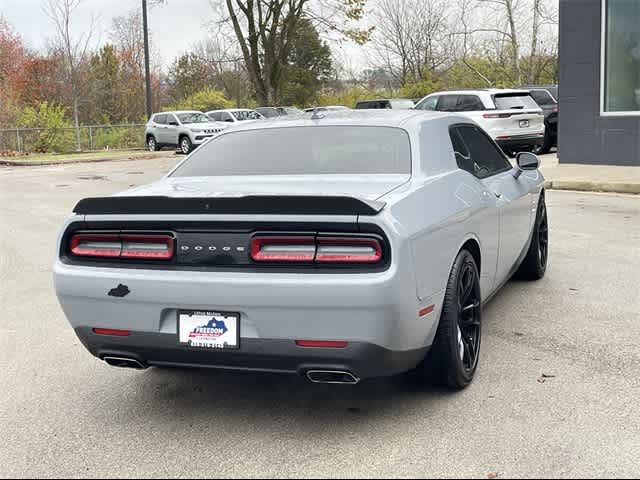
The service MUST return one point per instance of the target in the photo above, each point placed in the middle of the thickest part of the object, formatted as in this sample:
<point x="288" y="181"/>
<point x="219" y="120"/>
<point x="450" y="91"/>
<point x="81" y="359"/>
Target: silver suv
<point x="186" y="130"/>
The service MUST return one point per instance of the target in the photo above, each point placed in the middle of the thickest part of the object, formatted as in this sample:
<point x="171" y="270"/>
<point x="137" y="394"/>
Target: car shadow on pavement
<point x="192" y="392"/>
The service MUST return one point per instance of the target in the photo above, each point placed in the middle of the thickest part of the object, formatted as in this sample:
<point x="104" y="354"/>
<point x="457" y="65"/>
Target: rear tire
<point x="454" y="355"/>
<point x="534" y="265"/>
<point x="545" y="147"/>
<point x="186" y="146"/>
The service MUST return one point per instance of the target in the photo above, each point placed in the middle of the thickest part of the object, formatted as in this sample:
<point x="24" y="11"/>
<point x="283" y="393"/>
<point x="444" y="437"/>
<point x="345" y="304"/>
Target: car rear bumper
<point x="377" y="314"/>
<point x="520" y="141"/>
<point x="363" y="360"/>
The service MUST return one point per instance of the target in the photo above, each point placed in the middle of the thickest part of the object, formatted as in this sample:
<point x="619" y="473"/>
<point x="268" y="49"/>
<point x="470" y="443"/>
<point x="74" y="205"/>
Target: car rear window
<point x="317" y="150"/>
<point x="511" y="101"/>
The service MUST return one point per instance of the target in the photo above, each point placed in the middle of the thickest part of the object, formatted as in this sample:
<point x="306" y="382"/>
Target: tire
<point x="534" y="265"/>
<point x="186" y="147"/>
<point x="152" y="145"/>
<point x="545" y="147"/>
<point x="454" y="355"/>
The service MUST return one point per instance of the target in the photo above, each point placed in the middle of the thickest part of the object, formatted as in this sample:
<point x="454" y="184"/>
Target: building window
<point x="621" y="44"/>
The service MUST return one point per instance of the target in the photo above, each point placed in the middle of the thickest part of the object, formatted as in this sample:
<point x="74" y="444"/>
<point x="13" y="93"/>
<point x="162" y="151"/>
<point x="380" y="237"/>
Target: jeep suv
<point x="186" y="130"/>
<point x="511" y="117"/>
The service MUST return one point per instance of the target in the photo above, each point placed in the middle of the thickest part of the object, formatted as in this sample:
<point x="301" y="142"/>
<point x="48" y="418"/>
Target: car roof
<point x="232" y="110"/>
<point x="179" y="111"/>
<point x="367" y="118"/>
<point x="490" y="91"/>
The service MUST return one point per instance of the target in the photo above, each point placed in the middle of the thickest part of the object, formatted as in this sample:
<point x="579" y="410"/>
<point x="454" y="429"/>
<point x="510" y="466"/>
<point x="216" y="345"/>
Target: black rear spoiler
<point x="250" y="205"/>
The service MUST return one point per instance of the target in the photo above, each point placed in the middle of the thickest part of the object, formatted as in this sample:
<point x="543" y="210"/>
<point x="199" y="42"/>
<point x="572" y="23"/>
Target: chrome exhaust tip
<point x="336" y="377"/>
<point x="121" y="362"/>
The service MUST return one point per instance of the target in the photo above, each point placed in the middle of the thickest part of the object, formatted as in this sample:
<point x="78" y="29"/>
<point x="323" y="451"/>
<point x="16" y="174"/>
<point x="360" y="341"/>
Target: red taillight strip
<point x="111" y="245"/>
<point x="158" y="247"/>
<point x="283" y="249"/>
<point x="111" y="332"/>
<point x="321" y="344"/>
<point x="348" y="250"/>
<point x="497" y="115"/>
<point x="96" y="245"/>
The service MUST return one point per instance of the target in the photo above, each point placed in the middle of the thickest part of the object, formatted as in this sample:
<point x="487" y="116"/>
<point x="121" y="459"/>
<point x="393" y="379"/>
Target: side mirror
<point x="527" y="162"/>
<point x="173" y="124"/>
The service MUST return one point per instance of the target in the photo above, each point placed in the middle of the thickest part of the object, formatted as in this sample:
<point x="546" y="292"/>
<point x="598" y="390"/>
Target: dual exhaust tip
<point x="336" y="377"/>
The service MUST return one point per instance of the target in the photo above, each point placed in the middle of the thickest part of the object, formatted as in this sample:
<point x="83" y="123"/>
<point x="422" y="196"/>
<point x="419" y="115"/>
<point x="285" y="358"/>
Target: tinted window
<point x="215" y="116"/>
<point x="242" y="115"/>
<point x="226" y="117"/>
<point x="428" y="104"/>
<point x="542" y="98"/>
<point x="160" y="119"/>
<point x="171" y="119"/>
<point x="448" y="103"/>
<point x="469" y="103"/>
<point x="486" y="157"/>
<point x="512" y="101"/>
<point x="463" y="158"/>
<point x="302" y="151"/>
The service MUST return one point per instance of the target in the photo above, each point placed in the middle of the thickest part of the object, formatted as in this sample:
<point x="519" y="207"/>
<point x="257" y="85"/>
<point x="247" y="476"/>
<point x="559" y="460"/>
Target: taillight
<point x="153" y="247"/>
<point x="106" y="246"/>
<point x="496" y="115"/>
<point x="110" y="332"/>
<point x="306" y="249"/>
<point x="283" y="249"/>
<point x="348" y="250"/>
<point x="140" y="246"/>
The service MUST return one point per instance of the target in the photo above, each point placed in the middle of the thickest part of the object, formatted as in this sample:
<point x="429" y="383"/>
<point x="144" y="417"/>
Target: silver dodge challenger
<point x="338" y="246"/>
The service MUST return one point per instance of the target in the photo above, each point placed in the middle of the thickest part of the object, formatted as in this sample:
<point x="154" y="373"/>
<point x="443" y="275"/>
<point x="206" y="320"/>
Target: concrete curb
<point x="22" y="163"/>
<point x="584" y="186"/>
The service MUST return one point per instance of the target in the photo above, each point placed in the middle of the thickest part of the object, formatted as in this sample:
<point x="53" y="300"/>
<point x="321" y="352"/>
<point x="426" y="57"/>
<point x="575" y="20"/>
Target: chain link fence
<point x="63" y="140"/>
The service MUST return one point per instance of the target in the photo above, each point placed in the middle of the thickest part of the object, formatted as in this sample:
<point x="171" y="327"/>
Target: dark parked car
<point x="387" y="103"/>
<point x="272" y="112"/>
<point x="547" y="98"/>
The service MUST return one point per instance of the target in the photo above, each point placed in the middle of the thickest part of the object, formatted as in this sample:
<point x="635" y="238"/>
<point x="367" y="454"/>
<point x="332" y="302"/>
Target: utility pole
<point x="147" y="69"/>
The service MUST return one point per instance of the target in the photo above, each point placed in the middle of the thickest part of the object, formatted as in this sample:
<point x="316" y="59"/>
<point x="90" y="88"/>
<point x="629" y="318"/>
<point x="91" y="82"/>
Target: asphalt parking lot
<point x="65" y="414"/>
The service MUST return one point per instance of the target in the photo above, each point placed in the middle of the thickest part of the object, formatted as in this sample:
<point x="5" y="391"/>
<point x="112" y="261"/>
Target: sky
<point x="175" y="26"/>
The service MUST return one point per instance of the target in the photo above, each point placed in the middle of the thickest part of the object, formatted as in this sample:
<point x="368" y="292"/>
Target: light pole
<point x="147" y="69"/>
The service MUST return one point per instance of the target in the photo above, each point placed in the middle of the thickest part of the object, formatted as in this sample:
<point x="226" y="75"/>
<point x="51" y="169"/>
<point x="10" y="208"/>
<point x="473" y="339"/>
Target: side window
<point x="469" y="103"/>
<point x="448" y="103"/>
<point x="172" y="119"/>
<point x="542" y="97"/>
<point x="463" y="158"/>
<point x="215" y="116"/>
<point x="226" y="117"/>
<point x="160" y="119"/>
<point x="428" y="103"/>
<point x="486" y="157"/>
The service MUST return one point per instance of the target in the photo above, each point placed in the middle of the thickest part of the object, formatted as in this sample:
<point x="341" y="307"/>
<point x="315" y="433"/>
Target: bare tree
<point x="74" y="50"/>
<point x="265" y="29"/>
<point x="410" y="37"/>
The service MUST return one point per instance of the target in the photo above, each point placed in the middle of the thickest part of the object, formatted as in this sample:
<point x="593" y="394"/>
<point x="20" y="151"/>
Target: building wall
<point x="584" y="136"/>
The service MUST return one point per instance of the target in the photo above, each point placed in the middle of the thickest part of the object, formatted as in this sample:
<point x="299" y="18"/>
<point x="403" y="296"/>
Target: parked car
<point x="185" y="130"/>
<point x="273" y="112"/>
<point x="331" y="108"/>
<point x="389" y="103"/>
<point x="512" y="117"/>
<point x="234" y="115"/>
<point x="547" y="98"/>
<point x="342" y="249"/>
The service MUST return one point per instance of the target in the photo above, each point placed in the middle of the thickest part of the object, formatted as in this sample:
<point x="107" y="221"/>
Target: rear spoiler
<point x="250" y="205"/>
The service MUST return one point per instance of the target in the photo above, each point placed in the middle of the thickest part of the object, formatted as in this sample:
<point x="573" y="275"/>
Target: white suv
<point x="511" y="117"/>
<point x="186" y="130"/>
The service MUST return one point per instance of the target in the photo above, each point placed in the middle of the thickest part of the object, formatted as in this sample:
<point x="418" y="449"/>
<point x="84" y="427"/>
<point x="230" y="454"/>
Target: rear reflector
<point x="321" y="344"/>
<point x="348" y="250"/>
<point x="111" y="332"/>
<point x="427" y="310"/>
<point x="146" y="247"/>
<point x="283" y="249"/>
